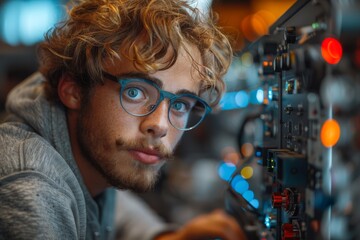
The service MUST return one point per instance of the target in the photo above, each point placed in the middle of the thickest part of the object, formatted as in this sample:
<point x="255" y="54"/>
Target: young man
<point x="119" y="83"/>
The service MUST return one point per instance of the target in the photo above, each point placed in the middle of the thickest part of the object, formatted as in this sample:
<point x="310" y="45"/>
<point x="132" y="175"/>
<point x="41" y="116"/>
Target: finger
<point x="229" y="227"/>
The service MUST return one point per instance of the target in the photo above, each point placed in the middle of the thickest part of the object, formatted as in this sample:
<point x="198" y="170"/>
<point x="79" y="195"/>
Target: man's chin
<point x="135" y="188"/>
<point x="134" y="184"/>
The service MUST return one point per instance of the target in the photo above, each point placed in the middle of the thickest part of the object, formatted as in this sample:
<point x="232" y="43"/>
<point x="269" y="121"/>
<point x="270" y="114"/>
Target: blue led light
<point x="260" y="95"/>
<point x="236" y="179"/>
<point x="227" y="102"/>
<point x="270" y="93"/>
<point x="256" y="96"/>
<point x="252" y="97"/>
<point x="242" y="99"/>
<point x="226" y="170"/>
<point x="267" y="221"/>
<point x="239" y="184"/>
<point x="255" y="203"/>
<point x="234" y="100"/>
<point x="248" y="195"/>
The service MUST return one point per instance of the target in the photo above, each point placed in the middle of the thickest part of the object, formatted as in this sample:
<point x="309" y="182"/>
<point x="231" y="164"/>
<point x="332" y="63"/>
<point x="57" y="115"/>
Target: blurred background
<point x="196" y="180"/>
<point x="282" y="154"/>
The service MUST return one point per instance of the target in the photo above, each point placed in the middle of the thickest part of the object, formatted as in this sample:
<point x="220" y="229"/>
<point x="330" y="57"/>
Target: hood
<point x="28" y="104"/>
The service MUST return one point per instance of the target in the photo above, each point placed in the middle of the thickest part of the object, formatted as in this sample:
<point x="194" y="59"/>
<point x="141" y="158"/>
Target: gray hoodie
<point x="42" y="194"/>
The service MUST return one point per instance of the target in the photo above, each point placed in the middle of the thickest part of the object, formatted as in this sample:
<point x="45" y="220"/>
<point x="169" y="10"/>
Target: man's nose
<point x="157" y="123"/>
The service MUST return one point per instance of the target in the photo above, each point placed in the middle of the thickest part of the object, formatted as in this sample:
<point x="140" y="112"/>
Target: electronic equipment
<point x="307" y="155"/>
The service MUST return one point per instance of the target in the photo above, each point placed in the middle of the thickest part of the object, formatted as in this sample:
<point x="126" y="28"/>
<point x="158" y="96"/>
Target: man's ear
<point x="69" y="92"/>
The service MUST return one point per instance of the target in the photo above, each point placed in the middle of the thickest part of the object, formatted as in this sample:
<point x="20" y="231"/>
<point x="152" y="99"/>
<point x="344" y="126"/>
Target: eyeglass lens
<point x="140" y="98"/>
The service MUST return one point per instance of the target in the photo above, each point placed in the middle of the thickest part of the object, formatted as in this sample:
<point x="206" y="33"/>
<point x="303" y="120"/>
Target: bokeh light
<point x="247" y="172"/>
<point x="248" y="195"/>
<point x="260" y="96"/>
<point x="242" y="99"/>
<point x="330" y="133"/>
<point x="226" y="170"/>
<point x="25" y="22"/>
<point x="234" y="100"/>
<point x="255" y="203"/>
<point x="230" y="155"/>
<point x="239" y="184"/>
<point x="247" y="149"/>
<point x="247" y="59"/>
<point x="331" y="50"/>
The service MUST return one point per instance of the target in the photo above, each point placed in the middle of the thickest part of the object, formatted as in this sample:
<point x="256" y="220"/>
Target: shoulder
<point x="37" y="186"/>
<point x="22" y="150"/>
<point x="34" y="207"/>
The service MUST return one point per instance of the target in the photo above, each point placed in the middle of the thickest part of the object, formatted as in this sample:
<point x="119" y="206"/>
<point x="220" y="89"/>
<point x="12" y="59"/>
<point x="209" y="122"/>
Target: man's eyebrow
<point x="157" y="81"/>
<point x="141" y="76"/>
<point x="185" y="91"/>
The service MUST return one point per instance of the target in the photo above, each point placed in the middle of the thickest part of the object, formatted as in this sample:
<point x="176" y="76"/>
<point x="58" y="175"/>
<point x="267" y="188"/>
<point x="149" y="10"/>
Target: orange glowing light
<point x="267" y="16"/>
<point x="258" y="24"/>
<point x="230" y="155"/>
<point x="247" y="172"/>
<point x="330" y="133"/>
<point x="247" y="29"/>
<point x="247" y="149"/>
<point x="331" y="50"/>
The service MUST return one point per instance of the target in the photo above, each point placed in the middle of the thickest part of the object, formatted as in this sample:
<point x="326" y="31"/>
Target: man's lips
<point x="146" y="156"/>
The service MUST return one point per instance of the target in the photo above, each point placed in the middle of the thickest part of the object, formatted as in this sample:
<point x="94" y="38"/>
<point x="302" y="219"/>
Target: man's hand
<point x="215" y="225"/>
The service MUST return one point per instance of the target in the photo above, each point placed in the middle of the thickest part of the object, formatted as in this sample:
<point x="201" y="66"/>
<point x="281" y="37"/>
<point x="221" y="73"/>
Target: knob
<point x="280" y="199"/>
<point x="290" y="232"/>
<point x="277" y="200"/>
<point x="288" y="200"/>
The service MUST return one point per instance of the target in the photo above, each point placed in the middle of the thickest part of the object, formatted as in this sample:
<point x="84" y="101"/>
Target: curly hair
<point x="141" y="31"/>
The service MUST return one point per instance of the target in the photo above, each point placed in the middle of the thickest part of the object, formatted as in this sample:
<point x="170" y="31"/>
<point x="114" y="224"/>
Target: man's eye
<point x="134" y="93"/>
<point x="180" y="107"/>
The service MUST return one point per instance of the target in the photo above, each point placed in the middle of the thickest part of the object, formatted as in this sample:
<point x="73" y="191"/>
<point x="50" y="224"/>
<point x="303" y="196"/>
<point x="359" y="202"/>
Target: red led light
<point x="331" y="50"/>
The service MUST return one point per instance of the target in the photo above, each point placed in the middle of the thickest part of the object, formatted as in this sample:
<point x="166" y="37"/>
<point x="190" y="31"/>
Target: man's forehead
<point x="185" y="70"/>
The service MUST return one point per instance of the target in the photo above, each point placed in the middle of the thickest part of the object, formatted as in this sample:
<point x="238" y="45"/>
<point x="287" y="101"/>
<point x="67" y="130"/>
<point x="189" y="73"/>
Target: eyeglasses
<point x="140" y="97"/>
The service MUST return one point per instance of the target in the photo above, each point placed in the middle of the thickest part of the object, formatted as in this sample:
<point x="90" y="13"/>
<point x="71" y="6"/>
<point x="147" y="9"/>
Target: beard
<point x="113" y="161"/>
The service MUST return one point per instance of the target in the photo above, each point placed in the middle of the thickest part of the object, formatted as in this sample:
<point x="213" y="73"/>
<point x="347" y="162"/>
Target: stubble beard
<point x="120" y="172"/>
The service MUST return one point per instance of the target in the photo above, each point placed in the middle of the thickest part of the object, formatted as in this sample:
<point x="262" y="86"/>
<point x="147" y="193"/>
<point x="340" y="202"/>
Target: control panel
<point x="306" y="162"/>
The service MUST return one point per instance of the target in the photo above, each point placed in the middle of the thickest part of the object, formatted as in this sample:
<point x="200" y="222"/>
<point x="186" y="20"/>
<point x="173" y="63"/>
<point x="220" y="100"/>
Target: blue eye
<point x="180" y="107"/>
<point x="133" y="93"/>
